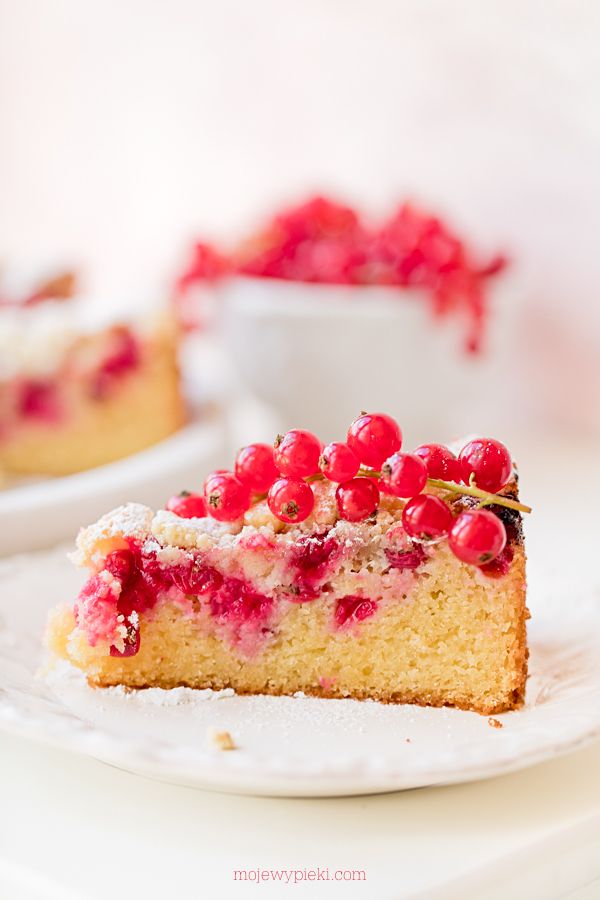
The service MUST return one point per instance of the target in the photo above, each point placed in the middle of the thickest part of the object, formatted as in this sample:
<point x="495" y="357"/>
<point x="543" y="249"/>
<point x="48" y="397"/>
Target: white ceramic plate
<point x="294" y="746"/>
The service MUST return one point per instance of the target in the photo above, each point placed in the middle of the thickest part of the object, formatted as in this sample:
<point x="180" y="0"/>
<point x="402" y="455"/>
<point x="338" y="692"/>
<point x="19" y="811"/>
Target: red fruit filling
<point x="312" y="556"/>
<point x="353" y="609"/>
<point x="96" y="609"/>
<point x="500" y="566"/>
<point x="123" y="357"/>
<point x="236" y="601"/>
<point x="131" y="641"/>
<point x="143" y="580"/>
<point x="406" y="559"/>
<point x="39" y="400"/>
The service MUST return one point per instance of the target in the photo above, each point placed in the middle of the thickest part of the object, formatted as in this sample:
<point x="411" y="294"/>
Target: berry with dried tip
<point x="373" y="437"/>
<point x="488" y="461"/>
<point x="404" y="474"/>
<point x="477" y="536"/>
<point x="254" y="466"/>
<point x="426" y="518"/>
<point x="357" y="499"/>
<point x="187" y="505"/>
<point x="297" y="453"/>
<point x="291" y="499"/>
<point x="441" y="462"/>
<point x="226" y="497"/>
<point x="338" y="462"/>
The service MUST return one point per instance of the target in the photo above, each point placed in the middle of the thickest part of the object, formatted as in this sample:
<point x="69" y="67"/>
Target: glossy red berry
<point x="291" y="499"/>
<point x="187" y="505"/>
<point x="254" y="466"/>
<point x="404" y="474"/>
<point x="488" y="461"/>
<point x="297" y="453"/>
<point x="440" y="462"/>
<point x="212" y="474"/>
<point x="338" y="462"/>
<point x="426" y="518"/>
<point x="373" y="437"/>
<point x="477" y="536"/>
<point x="357" y="499"/>
<point x="226" y="497"/>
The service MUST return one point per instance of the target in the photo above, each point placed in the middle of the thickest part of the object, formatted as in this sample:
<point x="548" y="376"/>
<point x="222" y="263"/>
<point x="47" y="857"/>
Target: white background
<point x="128" y="127"/>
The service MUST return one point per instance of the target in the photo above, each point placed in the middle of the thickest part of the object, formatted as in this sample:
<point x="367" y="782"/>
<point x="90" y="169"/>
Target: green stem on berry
<point x="489" y="499"/>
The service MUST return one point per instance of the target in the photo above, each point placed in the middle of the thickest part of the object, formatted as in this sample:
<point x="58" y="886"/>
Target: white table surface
<point x="71" y="827"/>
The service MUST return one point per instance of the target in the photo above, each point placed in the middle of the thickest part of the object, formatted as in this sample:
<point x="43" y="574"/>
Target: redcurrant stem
<point x="488" y="498"/>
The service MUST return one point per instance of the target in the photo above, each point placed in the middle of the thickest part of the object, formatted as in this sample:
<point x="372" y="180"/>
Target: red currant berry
<point x="297" y="453"/>
<point x="440" y="462"/>
<point x="489" y="461"/>
<point x="226" y="497"/>
<point x="255" y="467"/>
<point x="477" y="536"/>
<point x="338" y="462"/>
<point x="291" y="499"/>
<point x="404" y="474"/>
<point x="357" y="499"/>
<point x="373" y="437"/>
<point x="426" y="518"/>
<point x="187" y="505"/>
<point x="212" y="475"/>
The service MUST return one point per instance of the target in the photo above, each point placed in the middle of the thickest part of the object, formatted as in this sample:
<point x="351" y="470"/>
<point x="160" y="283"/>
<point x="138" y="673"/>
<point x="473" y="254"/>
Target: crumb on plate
<point x="222" y="740"/>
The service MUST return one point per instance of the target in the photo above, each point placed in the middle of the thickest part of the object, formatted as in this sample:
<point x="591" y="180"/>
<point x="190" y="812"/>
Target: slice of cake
<point x="392" y="584"/>
<point x="81" y="386"/>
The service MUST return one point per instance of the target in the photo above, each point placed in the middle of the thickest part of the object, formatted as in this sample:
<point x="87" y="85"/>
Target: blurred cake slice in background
<point x="81" y="383"/>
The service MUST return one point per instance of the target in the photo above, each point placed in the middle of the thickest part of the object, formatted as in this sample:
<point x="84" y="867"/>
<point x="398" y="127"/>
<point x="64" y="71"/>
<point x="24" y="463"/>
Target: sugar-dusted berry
<point x="440" y="461"/>
<point x="357" y="499"/>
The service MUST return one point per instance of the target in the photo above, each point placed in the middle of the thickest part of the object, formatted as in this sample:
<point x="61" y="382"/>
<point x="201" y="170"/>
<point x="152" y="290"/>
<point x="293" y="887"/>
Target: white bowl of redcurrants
<point x="325" y="312"/>
<point x="319" y="353"/>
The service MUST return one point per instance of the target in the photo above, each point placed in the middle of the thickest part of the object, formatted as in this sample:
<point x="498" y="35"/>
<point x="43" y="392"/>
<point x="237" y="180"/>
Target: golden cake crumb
<point x="495" y="723"/>
<point x="222" y="740"/>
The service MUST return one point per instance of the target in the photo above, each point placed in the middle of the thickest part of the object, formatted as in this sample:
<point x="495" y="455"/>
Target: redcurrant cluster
<point x="368" y="463"/>
<point x="327" y="242"/>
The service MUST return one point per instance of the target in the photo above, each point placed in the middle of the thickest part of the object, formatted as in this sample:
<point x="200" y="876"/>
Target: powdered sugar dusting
<point x="130" y="520"/>
<point x="175" y="697"/>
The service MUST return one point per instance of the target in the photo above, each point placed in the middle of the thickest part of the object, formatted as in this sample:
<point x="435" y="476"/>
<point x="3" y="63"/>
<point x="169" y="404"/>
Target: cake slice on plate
<point x="353" y="570"/>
